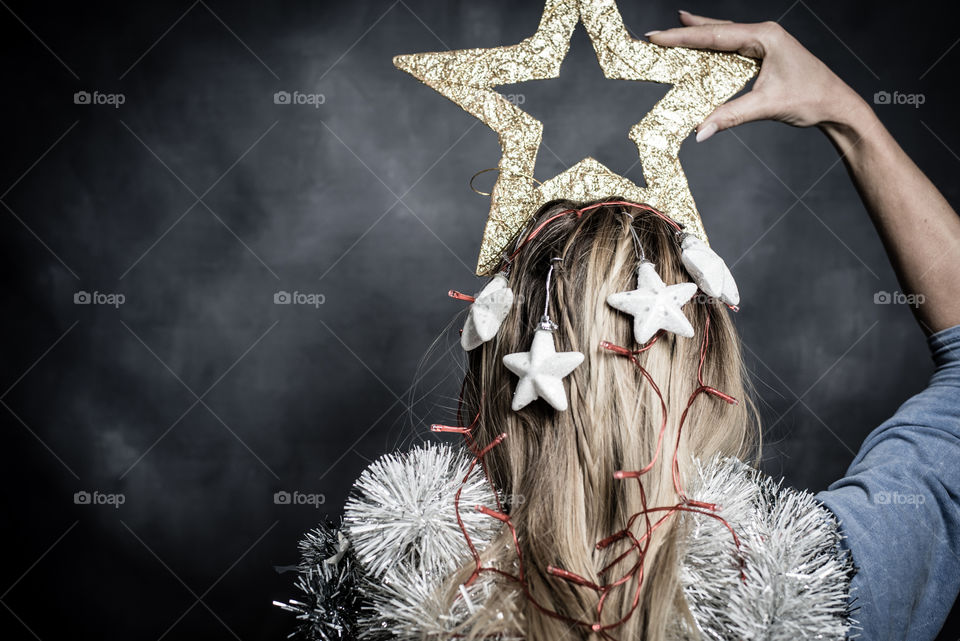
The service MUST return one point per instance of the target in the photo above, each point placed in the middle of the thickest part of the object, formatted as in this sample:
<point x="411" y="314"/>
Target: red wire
<point x="579" y="212"/>
<point x="642" y="544"/>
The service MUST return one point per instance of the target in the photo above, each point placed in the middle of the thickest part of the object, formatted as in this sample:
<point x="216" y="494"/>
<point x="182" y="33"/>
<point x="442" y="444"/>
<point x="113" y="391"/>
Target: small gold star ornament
<point x="702" y="81"/>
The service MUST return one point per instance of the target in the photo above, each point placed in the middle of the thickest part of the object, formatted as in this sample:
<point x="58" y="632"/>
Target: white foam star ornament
<point x="541" y="372"/>
<point x="487" y="312"/>
<point x="708" y="270"/>
<point x="654" y="305"/>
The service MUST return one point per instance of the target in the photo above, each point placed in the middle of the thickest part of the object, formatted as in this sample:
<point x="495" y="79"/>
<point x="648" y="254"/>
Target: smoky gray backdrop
<point x="174" y="172"/>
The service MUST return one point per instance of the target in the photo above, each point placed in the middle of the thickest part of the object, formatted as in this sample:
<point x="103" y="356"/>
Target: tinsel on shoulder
<point x="378" y="576"/>
<point x="797" y="574"/>
<point x="403" y="503"/>
<point x="332" y="597"/>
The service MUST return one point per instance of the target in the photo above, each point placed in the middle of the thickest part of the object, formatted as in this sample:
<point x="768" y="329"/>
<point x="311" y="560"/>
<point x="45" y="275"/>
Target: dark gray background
<point x="198" y="398"/>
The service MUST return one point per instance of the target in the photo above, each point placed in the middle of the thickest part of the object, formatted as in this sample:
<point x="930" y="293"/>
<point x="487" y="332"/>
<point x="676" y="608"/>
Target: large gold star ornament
<point x="702" y="81"/>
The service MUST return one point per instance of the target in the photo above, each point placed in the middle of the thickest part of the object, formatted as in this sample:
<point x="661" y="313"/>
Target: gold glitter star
<point x="702" y="81"/>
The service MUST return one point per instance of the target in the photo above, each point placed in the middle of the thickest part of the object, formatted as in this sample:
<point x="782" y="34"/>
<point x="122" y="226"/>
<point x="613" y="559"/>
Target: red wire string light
<point x="467" y="433"/>
<point x="461" y="296"/>
<point x="640" y="544"/>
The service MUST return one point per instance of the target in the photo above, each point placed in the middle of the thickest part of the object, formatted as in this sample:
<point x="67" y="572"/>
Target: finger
<point x="691" y="19"/>
<point x="752" y="106"/>
<point x="742" y="38"/>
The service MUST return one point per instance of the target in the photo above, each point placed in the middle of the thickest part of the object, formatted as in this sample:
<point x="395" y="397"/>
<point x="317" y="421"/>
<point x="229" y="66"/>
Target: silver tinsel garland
<point x="331" y="586"/>
<point x="797" y="573"/>
<point x="401" y="513"/>
<point x="406" y="604"/>
<point x="402" y="523"/>
<point x="402" y="541"/>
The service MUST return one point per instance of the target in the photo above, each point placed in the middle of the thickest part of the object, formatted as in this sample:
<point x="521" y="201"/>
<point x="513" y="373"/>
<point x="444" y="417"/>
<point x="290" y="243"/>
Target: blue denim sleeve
<point x="899" y="508"/>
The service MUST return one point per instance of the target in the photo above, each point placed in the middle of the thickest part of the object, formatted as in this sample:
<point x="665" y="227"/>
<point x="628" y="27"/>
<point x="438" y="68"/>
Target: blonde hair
<point x="557" y="468"/>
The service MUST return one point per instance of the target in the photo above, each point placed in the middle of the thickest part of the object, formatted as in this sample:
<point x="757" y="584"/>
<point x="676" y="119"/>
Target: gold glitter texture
<point x="702" y="81"/>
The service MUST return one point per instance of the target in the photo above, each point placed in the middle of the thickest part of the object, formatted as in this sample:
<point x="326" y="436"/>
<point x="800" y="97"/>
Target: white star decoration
<point x="708" y="270"/>
<point x="486" y="314"/>
<point x="654" y="305"/>
<point x="541" y="371"/>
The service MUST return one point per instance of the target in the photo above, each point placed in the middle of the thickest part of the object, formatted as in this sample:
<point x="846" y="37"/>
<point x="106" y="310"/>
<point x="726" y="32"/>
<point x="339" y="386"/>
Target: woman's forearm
<point x="919" y="228"/>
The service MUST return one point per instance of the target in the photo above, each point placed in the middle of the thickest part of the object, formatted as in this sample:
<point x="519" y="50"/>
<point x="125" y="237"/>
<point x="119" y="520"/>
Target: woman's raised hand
<point x="919" y="228"/>
<point x="793" y="86"/>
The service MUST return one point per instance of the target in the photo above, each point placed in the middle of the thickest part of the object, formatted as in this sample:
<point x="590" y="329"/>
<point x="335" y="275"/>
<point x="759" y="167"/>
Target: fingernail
<point x="706" y="131"/>
<point x="683" y="11"/>
<point x="650" y="33"/>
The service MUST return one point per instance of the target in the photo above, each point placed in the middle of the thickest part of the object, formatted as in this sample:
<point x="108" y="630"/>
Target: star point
<point x="655" y="305"/>
<point x="709" y="270"/>
<point x="702" y="81"/>
<point x="487" y="312"/>
<point x="541" y="372"/>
